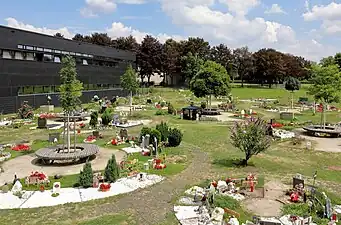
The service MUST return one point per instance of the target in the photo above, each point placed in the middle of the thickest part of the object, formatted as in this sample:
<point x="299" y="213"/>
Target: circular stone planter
<point x="5" y="156"/>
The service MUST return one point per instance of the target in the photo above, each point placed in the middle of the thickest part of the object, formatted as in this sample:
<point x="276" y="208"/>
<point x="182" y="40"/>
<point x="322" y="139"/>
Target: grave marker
<point x="56" y="188"/>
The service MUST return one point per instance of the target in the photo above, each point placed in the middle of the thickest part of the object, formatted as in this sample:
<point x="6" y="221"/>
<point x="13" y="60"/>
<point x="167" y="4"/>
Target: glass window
<point x="6" y="55"/>
<point x="48" y="58"/>
<point x="64" y="52"/>
<point x="78" y="54"/>
<point x="85" y="62"/>
<point x="72" y="53"/>
<point x="47" y="50"/>
<point x="29" y="48"/>
<point x="20" y="46"/>
<point x="40" y="49"/>
<point x="85" y="55"/>
<point x="29" y="56"/>
<point x="57" y="51"/>
<point x="57" y="59"/>
<point x="91" y="56"/>
<point x="18" y="55"/>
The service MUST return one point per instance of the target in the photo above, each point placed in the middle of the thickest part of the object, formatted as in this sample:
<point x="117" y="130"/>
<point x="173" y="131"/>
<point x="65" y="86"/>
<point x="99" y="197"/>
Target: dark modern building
<point x="30" y="64"/>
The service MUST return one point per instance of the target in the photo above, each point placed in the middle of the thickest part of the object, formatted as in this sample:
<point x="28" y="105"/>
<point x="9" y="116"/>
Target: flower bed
<point x="90" y="139"/>
<point x="277" y="125"/>
<point x="21" y="147"/>
<point x="38" y="175"/>
<point x="104" y="187"/>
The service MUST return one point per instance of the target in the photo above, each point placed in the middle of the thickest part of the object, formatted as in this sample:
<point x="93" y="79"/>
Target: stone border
<point x="331" y="130"/>
<point x="50" y="153"/>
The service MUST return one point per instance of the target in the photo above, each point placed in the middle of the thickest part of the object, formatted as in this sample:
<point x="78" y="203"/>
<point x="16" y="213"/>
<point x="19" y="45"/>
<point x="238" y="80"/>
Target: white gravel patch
<point x="93" y="193"/>
<point x="40" y="199"/>
<point x="35" y="199"/>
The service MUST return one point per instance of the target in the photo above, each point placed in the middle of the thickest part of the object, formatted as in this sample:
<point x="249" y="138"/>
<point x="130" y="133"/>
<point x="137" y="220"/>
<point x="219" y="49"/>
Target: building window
<point x="57" y="59"/>
<point x="47" y="50"/>
<point x="57" y="51"/>
<point x="18" y="55"/>
<point x="40" y="49"/>
<point x="78" y="54"/>
<point x="85" y="62"/>
<point x="21" y="46"/>
<point x="29" y="56"/>
<point x="85" y="55"/>
<point x="72" y="53"/>
<point x="29" y="48"/>
<point x="91" y="56"/>
<point x="65" y="53"/>
<point x="48" y="58"/>
<point x="6" y="55"/>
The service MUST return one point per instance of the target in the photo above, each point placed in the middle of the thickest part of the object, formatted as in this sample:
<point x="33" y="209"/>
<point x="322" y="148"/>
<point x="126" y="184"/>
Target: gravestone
<point x="286" y="115"/>
<point x="155" y="146"/>
<point x="116" y="119"/>
<point x="17" y="187"/>
<point x="147" y="141"/>
<point x="143" y="143"/>
<point x="123" y="134"/>
<point x="53" y="136"/>
<point x="42" y="123"/>
<point x="297" y="180"/>
<point x="217" y="216"/>
<point x="56" y="188"/>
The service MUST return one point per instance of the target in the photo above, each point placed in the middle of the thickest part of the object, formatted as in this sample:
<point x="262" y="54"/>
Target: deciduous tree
<point x="149" y="57"/>
<point x="242" y="63"/>
<point x="292" y="84"/>
<point x="190" y="66"/>
<point x="171" y="57"/>
<point x="196" y="46"/>
<point x="222" y="54"/>
<point x="130" y="83"/>
<point x="325" y="86"/>
<point x="250" y="137"/>
<point x="70" y="91"/>
<point x="126" y="43"/>
<point x="212" y="79"/>
<point x="100" y="39"/>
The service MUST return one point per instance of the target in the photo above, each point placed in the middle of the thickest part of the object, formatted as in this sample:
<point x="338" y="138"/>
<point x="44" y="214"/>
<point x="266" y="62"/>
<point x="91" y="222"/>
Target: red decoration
<point x="277" y="125"/>
<point x="21" y="147"/>
<point x="47" y="116"/>
<point x="114" y="141"/>
<point x="214" y="184"/>
<point x="294" y="197"/>
<point x="40" y="176"/>
<point x="158" y="161"/>
<point x="42" y="188"/>
<point x="160" y="166"/>
<point x="81" y="125"/>
<point x="104" y="187"/>
<point x="90" y="138"/>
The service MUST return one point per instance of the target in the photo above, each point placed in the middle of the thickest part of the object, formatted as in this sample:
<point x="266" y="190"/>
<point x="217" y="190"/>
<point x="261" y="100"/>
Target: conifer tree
<point x="86" y="176"/>
<point x="112" y="170"/>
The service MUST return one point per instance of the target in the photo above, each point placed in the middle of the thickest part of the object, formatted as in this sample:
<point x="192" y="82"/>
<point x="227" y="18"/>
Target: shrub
<point x="174" y="137"/>
<point x="93" y="119"/>
<point x="106" y="117"/>
<point x="155" y="133"/>
<point x="5" y="188"/>
<point x="112" y="170"/>
<point x="86" y="176"/>
<point x="161" y="112"/>
<point x="171" y="109"/>
<point x="144" y="131"/>
<point x="162" y="104"/>
<point x="164" y="130"/>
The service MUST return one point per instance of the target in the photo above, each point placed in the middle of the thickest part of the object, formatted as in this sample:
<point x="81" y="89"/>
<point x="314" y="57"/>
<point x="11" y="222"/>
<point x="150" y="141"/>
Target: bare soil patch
<point x="267" y="206"/>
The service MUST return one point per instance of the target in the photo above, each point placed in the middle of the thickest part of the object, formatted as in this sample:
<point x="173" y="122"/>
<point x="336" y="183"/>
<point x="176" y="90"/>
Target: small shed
<point x="190" y="112"/>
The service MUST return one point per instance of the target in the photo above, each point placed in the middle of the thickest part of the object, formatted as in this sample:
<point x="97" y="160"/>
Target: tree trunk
<point x="68" y="132"/>
<point x="324" y="115"/>
<point x="74" y="133"/>
<point x="130" y="101"/>
<point x="210" y="102"/>
<point x="241" y="77"/>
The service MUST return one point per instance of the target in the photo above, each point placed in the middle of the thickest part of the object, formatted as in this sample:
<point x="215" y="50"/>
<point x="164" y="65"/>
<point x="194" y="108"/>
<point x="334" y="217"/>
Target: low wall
<point x="11" y="104"/>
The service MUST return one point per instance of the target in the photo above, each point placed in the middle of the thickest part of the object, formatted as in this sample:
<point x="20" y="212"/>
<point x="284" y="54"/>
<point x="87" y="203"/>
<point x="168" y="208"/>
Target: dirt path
<point x="23" y="165"/>
<point x="151" y="205"/>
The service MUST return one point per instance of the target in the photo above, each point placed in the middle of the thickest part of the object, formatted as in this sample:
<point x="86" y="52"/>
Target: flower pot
<point x="42" y="123"/>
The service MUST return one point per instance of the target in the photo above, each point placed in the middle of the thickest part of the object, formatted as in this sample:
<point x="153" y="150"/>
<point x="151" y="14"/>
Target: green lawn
<point x="281" y="161"/>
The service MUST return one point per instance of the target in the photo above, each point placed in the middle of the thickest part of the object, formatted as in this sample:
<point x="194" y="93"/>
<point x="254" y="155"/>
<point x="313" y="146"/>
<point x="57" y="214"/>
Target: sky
<point x="308" y="28"/>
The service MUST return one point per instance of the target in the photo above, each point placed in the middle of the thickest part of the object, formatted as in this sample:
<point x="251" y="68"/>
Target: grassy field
<point x="280" y="162"/>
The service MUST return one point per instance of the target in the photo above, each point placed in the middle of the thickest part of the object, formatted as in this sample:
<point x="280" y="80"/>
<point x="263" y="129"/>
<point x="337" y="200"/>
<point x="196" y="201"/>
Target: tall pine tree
<point x="86" y="176"/>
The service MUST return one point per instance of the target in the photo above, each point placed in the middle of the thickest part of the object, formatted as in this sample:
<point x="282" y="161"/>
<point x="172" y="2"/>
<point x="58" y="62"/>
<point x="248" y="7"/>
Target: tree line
<point x="178" y="61"/>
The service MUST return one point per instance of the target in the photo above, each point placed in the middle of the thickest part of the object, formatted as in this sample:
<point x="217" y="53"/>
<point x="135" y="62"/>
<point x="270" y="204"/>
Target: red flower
<point x="277" y="125"/>
<point x="21" y="147"/>
<point x="114" y="141"/>
<point x="104" y="186"/>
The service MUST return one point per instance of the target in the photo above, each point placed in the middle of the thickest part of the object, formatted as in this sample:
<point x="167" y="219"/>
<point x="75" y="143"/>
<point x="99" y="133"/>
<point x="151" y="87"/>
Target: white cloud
<point x="132" y="2"/>
<point x="11" y="22"/>
<point x="307" y="5"/>
<point x="324" y="12"/>
<point x="275" y="9"/>
<point x="97" y="6"/>
<point x="330" y="15"/>
<point x="240" y="7"/>
<point x="120" y="30"/>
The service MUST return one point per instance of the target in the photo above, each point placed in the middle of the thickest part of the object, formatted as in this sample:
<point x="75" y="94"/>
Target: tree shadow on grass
<point x="234" y="163"/>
